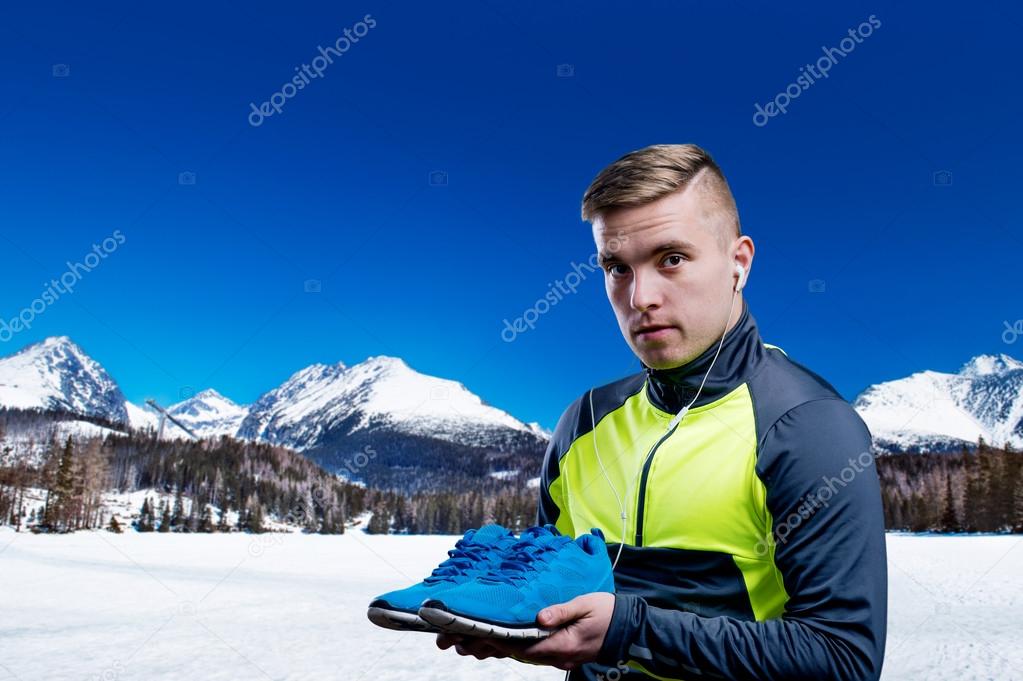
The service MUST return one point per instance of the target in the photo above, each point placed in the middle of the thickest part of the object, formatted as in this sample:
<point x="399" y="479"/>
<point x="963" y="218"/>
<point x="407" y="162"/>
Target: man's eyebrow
<point x="673" y="245"/>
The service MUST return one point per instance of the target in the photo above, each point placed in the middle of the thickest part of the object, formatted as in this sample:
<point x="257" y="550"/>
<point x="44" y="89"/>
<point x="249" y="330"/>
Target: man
<point x="736" y="488"/>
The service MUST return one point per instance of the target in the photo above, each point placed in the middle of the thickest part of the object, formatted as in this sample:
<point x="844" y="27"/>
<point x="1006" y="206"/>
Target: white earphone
<point x="677" y="419"/>
<point x="742" y="277"/>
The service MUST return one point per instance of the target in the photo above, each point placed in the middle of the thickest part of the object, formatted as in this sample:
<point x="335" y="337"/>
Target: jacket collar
<point x="671" y="389"/>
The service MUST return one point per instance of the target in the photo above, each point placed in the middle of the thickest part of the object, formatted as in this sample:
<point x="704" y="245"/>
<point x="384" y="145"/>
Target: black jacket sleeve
<point x="548" y="509"/>
<point x="829" y="545"/>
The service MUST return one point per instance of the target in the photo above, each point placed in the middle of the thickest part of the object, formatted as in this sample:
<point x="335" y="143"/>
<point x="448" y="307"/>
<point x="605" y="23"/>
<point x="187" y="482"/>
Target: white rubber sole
<point x="399" y="621"/>
<point x="456" y="624"/>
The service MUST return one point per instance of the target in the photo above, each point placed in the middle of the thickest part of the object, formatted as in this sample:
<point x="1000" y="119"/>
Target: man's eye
<point x="617" y="270"/>
<point x="674" y="259"/>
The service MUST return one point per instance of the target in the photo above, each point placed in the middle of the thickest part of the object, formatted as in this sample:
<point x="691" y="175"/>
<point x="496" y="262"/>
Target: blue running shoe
<point x="543" y="568"/>
<point x="474" y="554"/>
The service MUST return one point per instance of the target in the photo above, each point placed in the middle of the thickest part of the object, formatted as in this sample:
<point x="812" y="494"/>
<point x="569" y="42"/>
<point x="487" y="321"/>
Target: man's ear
<point x="742" y="253"/>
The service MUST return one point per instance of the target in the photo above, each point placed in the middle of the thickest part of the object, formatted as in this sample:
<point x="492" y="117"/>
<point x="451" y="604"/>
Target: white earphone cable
<point x="671" y="425"/>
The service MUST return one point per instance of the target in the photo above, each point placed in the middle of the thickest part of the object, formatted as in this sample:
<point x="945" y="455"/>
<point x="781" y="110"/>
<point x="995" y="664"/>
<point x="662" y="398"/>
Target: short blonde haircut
<point x="645" y="175"/>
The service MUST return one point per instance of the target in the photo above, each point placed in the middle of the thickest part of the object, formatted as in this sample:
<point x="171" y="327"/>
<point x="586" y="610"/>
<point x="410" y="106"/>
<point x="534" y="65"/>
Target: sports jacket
<point x="754" y="546"/>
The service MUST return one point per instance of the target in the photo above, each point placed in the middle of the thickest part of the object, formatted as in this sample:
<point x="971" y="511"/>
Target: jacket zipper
<point x="642" y="485"/>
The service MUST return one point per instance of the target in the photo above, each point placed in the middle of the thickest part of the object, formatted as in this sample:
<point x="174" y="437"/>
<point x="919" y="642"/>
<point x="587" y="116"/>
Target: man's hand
<point x="581" y="626"/>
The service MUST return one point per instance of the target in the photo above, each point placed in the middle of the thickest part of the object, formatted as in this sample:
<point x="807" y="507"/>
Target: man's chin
<point x="667" y="359"/>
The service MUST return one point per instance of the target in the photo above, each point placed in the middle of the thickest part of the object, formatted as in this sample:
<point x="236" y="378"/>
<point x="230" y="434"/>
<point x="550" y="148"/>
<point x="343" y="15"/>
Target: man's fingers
<point x="482" y="648"/>
<point x="478" y="648"/>
<point x="445" y="641"/>
<point x="561" y="614"/>
<point x="553" y="646"/>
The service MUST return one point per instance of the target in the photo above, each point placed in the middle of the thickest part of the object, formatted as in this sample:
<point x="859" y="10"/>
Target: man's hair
<point x="645" y="175"/>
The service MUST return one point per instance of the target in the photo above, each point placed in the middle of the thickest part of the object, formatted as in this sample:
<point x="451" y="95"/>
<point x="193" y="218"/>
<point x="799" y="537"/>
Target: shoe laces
<point x="462" y="558"/>
<point x="525" y="557"/>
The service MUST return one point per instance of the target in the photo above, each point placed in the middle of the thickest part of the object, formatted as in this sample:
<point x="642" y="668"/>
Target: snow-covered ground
<point x="95" y="605"/>
<point x="955" y="608"/>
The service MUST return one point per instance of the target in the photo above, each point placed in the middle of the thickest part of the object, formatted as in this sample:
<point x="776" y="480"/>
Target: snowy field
<point x="96" y="605"/>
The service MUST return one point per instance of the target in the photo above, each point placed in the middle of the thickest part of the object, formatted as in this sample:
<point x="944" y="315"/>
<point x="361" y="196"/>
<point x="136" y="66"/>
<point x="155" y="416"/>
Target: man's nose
<point x="645" y="293"/>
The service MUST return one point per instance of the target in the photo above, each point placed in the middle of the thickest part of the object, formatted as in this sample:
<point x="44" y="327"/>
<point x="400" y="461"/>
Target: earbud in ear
<point x="741" y="271"/>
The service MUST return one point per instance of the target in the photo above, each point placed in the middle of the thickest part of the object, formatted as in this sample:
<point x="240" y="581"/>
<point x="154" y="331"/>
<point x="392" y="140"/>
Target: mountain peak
<point x="386" y="361"/>
<point x="57" y="340"/>
<point x="990" y="365"/>
<point x="931" y="410"/>
<point x="55" y="373"/>
<point x="209" y="396"/>
<point x="210" y="393"/>
<point x="209" y="413"/>
<point x="53" y="342"/>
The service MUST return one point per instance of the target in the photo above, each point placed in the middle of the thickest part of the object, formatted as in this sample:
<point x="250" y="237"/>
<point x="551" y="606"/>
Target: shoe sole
<point x="400" y="620"/>
<point x="451" y="623"/>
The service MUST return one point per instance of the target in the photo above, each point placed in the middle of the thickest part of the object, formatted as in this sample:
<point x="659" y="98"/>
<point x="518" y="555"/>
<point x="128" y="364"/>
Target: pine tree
<point x="222" y="525"/>
<point x="919" y="521"/>
<point x="177" y="521"/>
<point x="60" y="507"/>
<point x="1017" y="506"/>
<point x="255" y="519"/>
<point x="401" y="514"/>
<point x="47" y="475"/>
<point x="243" y="519"/>
<point x="145" y="521"/>
<point x="165" y="517"/>
<point x="976" y="502"/>
<point x="206" y="520"/>
<point x="476" y="514"/>
<point x="949" y="519"/>
<point x="379" y="522"/>
<point x="192" y="523"/>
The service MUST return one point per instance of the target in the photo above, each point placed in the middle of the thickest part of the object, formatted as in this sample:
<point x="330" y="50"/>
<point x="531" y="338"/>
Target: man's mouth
<point x="652" y="331"/>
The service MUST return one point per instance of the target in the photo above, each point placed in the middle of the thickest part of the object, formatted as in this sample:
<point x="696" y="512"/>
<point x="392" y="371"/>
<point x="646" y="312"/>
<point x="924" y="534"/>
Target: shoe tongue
<point x="539" y="533"/>
<point x="488" y="534"/>
<point x="542" y="536"/>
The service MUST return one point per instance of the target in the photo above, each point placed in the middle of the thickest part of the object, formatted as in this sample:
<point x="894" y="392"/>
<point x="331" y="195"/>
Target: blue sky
<point x="208" y="288"/>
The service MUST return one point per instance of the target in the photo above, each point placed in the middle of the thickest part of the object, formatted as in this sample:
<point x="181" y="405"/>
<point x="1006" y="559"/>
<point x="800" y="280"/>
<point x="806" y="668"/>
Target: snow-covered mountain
<point x="380" y="402"/>
<point x="57" y="374"/>
<point x="380" y="394"/>
<point x="209" y="414"/>
<point x="934" y="411"/>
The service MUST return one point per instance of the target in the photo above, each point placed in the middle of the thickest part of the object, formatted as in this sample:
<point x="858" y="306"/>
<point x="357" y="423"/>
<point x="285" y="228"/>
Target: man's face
<point x="669" y="276"/>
